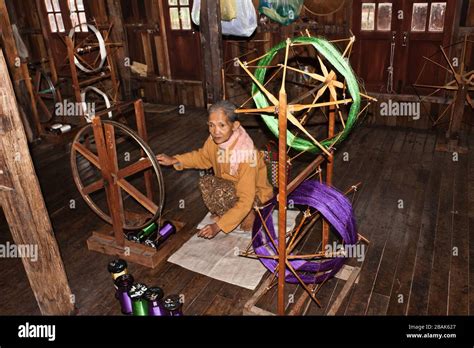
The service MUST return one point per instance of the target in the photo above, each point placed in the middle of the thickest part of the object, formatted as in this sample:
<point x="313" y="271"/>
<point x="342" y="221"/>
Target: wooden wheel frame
<point x="114" y="179"/>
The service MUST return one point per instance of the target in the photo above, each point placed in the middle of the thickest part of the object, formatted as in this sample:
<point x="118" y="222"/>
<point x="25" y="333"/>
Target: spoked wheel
<point x="90" y="53"/>
<point x="47" y="95"/>
<point x="130" y="164"/>
<point x="321" y="77"/>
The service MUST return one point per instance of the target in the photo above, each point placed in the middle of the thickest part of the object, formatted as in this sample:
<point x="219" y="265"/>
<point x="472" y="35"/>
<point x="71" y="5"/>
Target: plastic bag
<point x="243" y="25"/>
<point x="281" y="11"/>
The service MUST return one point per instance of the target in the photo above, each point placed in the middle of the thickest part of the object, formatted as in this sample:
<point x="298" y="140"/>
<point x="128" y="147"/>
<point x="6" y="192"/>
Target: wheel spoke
<point x="147" y="203"/>
<point x="91" y="157"/>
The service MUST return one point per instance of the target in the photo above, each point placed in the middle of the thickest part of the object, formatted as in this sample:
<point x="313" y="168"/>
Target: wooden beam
<point x="213" y="55"/>
<point x="118" y="35"/>
<point x="25" y="210"/>
<point x="18" y="69"/>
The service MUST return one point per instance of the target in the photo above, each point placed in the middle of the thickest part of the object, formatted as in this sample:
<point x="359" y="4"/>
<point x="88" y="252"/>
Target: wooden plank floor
<point x="415" y="205"/>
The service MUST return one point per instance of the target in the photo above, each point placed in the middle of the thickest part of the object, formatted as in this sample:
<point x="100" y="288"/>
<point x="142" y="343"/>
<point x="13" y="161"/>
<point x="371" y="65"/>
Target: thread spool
<point x="154" y="297"/>
<point x="124" y="284"/>
<point x="139" y="304"/>
<point x="173" y="305"/>
<point x="143" y="234"/>
<point x="117" y="268"/>
<point x="163" y="234"/>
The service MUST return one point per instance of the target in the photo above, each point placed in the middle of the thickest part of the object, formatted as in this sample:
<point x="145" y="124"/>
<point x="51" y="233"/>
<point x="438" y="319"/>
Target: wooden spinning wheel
<point x="96" y="143"/>
<point x="459" y="88"/>
<point x="90" y="52"/>
<point x="322" y="74"/>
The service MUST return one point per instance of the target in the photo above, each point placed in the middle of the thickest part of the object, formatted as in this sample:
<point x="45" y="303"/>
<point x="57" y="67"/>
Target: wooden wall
<point x="145" y="42"/>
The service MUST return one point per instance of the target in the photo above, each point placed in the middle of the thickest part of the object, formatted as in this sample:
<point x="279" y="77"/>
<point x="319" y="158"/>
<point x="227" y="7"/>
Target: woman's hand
<point x="166" y="160"/>
<point x="209" y="232"/>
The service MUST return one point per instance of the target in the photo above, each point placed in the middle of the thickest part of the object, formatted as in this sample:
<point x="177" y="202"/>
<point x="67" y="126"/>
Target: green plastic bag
<point x="281" y="11"/>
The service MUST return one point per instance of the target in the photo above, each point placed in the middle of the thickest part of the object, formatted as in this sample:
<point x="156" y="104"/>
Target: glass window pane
<point x="384" y="16"/>
<point x="52" y="23"/>
<point x="72" y="5"/>
<point x="174" y="16"/>
<point x="80" y="5"/>
<point x="438" y="11"/>
<point x="75" y="21"/>
<point x="185" y="18"/>
<point x="173" y="2"/>
<point x="49" y="7"/>
<point x="184" y="2"/>
<point x="368" y="15"/>
<point x="59" y="20"/>
<point x="418" y="16"/>
<point x="56" y="6"/>
<point x="83" y="21"/>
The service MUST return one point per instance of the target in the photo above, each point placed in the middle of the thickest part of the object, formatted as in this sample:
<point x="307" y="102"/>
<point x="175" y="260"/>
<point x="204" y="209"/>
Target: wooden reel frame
<point x="280" y="106"/>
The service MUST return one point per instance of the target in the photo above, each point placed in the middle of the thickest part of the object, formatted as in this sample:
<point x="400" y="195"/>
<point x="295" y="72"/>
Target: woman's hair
<point x="227" y="108"/>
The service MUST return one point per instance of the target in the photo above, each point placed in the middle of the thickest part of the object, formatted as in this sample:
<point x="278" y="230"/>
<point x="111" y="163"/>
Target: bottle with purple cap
<point x="124" y="284"/>
<point x="173" y="305"/>
<point x="154" y="296"/>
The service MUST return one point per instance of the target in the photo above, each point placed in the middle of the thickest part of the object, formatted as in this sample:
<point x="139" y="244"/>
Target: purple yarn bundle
<point x="333" y="206"/>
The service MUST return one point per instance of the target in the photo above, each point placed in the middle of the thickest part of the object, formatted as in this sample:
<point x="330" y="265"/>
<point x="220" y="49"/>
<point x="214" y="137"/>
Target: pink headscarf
<point x="243" y="151"/>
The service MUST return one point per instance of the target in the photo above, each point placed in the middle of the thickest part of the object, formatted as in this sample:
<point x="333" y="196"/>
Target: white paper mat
<point x="218" y="257"/>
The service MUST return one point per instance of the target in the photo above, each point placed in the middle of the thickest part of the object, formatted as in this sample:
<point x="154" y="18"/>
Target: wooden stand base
<point x="450" y="145"/>
<point x="299" y="307"/>
<point x="103" y="241"/>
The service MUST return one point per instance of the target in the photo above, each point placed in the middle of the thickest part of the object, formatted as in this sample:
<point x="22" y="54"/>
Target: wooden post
<point x="118" y="35"/>
<point x="282" y="187"/>
<point x="211" y="42"/>
<point x="329" y="170"/>
<point x="18" y="69"/>
<point x="282" y="128"/>
<point x="25" y="210"/>
<point x="72" y="66"/>
<point x="142" y="132"/>
<point x="108" y="165"/>
<point x="47" y="42"/>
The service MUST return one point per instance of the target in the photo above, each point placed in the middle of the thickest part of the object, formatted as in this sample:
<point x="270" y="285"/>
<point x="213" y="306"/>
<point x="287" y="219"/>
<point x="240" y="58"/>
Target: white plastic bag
<point x="244" y="25"/>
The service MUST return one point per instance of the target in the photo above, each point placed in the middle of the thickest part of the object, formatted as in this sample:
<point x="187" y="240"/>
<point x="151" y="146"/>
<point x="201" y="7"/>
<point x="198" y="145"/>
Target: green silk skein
<point x="332" y="54"/>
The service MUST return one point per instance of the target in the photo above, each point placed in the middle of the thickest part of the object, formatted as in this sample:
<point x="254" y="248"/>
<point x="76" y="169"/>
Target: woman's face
<point x="220" y="127"/>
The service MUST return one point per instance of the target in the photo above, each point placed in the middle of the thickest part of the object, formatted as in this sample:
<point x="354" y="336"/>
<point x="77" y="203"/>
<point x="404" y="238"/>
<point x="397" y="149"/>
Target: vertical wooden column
<point x="142" y="132"/>
<point x="282" y="186"/>
<point x="74" y="76"/>
<point x="211" y="43"/>
<point x="18" y="69"/>
<point x="329" y="170"/>
<point x="108" y="165"/>
<point x="47" y="41"/>
<point x="118" y="35"/>
<point x="25" y="210"/>
<point x="282" y="193"/>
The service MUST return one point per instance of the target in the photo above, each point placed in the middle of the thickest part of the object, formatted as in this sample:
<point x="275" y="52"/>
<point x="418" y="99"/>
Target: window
<point x="438" y="10"/>
<point x="384" y="16"/>
<point x="55" y="17"/>
<point x="179" y="14"/>
<point x="78" y="15"/>
<point x="368" y="16"/>
<point x="418" y="16"/>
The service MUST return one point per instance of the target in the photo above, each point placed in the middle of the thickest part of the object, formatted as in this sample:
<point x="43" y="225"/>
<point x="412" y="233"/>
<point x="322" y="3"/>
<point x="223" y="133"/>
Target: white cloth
<point x="219" y="258"/>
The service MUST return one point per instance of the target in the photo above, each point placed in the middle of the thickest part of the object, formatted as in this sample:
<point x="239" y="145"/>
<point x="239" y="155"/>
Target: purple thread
<point x="167" y="230"/>
<point x="333" y="206"/>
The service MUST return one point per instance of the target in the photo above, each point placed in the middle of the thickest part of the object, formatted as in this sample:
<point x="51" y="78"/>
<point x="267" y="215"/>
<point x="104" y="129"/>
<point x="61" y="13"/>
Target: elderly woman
<point x="240" y="174"/>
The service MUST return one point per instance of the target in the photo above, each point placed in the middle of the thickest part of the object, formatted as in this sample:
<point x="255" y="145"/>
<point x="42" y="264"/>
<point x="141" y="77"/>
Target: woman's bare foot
<point x="215" y="218"/>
